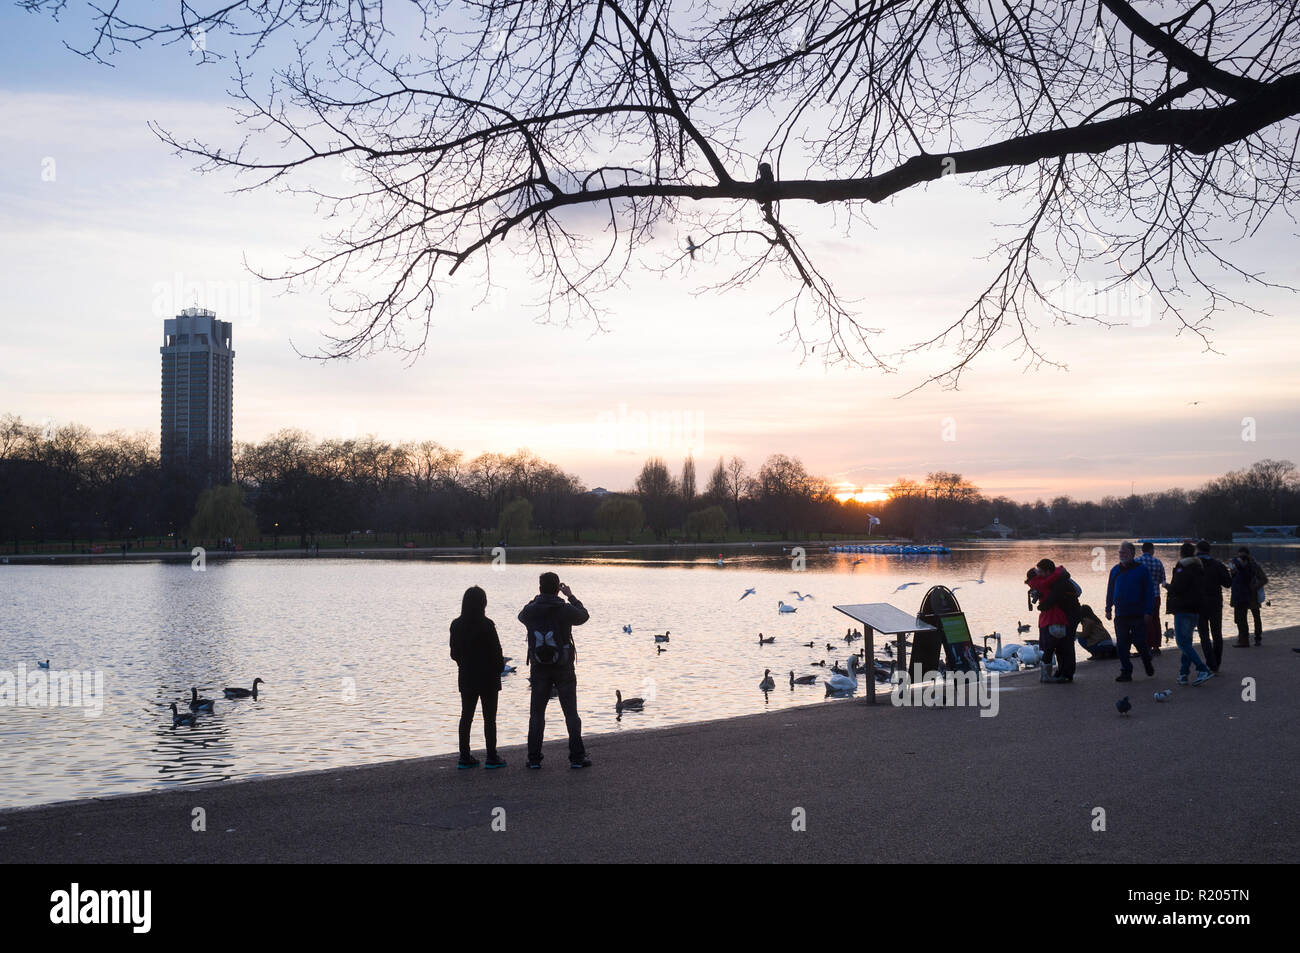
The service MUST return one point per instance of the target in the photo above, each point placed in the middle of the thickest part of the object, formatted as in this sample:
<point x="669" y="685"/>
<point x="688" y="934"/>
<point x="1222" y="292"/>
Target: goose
<point x="631" y="704"/>
<point x="197" y="703"/>
<point x="664" y="637"/>
<point x="801" y="597"/>
<point x="782" y="607"/>
<point x="186" y="719"/>
<point x="839" y="669"/>
<point x="889" y="649"/>
<point x="243" y="692"/>
<point x="802" y="679"/>
<point x="627" y="629"/>
<point x="766" y="641"/>
<point x="45" y="664"/>
<point x="660" y="650"/>
<point x="1021" y="627"/>
<point x="843" y="683"/>
<point x="852" y="636"/>
<point x="768" y="683"/>
<point x="747" y="592"/>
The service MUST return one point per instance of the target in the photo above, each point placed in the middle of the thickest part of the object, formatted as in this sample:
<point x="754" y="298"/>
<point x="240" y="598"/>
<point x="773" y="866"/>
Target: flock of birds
<point x="206" y="706"/>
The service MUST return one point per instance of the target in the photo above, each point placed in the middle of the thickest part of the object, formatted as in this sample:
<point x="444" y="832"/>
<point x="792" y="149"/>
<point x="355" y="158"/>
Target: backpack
<point x="547" y="648"/>
<point x="1065" y="593"/>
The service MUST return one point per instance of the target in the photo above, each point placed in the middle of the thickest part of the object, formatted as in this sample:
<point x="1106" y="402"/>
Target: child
<point x="476" y="650"/>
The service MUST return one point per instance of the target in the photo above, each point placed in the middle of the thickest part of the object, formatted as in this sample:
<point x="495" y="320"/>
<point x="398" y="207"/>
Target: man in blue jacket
<point x="550" y="621"/>
<point x="1129" y="594"/>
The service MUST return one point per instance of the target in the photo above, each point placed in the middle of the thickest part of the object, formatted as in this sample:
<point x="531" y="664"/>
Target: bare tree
<point x="1131" y="145"/>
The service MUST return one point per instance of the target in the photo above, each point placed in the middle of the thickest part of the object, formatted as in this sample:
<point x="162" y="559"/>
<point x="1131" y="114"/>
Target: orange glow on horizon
<point x="866" y="494"/>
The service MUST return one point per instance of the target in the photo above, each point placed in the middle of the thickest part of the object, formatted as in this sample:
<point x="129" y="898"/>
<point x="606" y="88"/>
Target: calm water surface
<point x="354" y="651"/>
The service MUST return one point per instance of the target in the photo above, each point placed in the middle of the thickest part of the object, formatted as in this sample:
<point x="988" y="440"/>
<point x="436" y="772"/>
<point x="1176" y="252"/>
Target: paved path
<point x="1207" y="777"/>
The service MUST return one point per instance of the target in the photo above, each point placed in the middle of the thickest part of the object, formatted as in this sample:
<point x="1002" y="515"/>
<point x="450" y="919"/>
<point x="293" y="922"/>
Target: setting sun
<point x="864" y="494"/>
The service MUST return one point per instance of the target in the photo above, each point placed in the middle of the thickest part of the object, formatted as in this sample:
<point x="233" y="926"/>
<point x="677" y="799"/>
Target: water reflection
<point x="355" y="657"/>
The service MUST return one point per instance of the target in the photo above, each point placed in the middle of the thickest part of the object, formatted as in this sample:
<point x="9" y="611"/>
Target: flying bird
<point x="748" y="592"/>
<point x="906" y="585"/>
<point x="691" y="246"/>
<point x="801" y="597"/>
<point x="1123" y="705"/>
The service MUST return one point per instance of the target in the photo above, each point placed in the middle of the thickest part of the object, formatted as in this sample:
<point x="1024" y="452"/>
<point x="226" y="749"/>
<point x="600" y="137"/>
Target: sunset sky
<point x="96" y="258"/>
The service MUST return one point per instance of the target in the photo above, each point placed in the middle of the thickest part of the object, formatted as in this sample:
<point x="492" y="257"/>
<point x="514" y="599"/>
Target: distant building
<point x="197" y="386"/>
<point x="599" y="491"/>
<point x="996" y="530"/>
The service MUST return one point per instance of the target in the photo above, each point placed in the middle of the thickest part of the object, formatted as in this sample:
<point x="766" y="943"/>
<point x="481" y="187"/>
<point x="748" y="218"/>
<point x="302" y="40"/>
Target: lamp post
<point x="276" y="544"/>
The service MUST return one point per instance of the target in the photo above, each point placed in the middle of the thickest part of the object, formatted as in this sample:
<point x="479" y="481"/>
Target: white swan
<point x="1005" y="651"/>
<point x="844" y="683"/>
<point x="1001" y="665"/>
<point x="1029" y="654"/>
<point x="782" y="607"/>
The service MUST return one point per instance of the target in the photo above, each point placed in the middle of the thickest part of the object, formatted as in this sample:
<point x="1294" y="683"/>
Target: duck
<point x="838" y="669"/>
<point x="782" y="607"/>
<point x="189" y="718"/>
<point x="243" y="692"/>
<point x="660" y="650"/>
<point x="1022" y="627"/>
<point x="627" y="629"/>
<point x="664" y="637"/>
<point x="45" y="664"/>
<point x="843" y="683"/>
<point x="630" y="704"/>
<point x="766" y="641"/>
<point x="808" y="645"/>
<point x="802" y="679"/>
<point x="822" y="663"/>
<point x="768" y="683"/>
<point x="197" y="703"/>
<point x="830" y="648"/>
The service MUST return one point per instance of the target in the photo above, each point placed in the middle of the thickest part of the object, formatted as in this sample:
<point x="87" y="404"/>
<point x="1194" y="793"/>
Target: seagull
<point x="631" y="704"/>
<point x="691" y="246"/>
<point x="1123" y="705"/>
<point x="906" y="585"/>
<point x="980" y="580"/>
<point x="748" y="592"/>
<point x="243" y="692"/>
<point x="795" y="592"/>
<point x="768" y="683"/>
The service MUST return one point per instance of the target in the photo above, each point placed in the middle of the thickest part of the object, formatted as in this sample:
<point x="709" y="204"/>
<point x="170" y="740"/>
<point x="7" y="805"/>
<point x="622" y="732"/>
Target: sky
<point x="105" y="233"/>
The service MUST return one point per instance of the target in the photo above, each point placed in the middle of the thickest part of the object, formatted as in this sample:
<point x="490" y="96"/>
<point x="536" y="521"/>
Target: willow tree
<point x="574" y="133"/>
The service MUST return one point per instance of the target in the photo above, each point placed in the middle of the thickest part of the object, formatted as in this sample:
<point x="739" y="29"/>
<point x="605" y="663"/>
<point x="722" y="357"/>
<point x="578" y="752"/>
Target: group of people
<point x="1193" y="595"/>
<point x="476" y="648"/>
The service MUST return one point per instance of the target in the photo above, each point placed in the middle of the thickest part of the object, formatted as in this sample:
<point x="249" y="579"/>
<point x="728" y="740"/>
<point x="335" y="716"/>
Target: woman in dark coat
<point x="476" y="650"/>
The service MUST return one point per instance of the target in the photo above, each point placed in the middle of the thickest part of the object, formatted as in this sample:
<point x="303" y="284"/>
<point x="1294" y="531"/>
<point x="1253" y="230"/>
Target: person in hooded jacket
<point x="476" y="649"/>
<point x="549" y="620"/>
<point x="1210" y="624"/>
<point x="1246" y="583"/>
<point x="1185" y="594"/>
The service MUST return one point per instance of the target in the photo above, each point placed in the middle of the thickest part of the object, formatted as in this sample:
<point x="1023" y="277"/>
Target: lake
<point x="354" y="651"/>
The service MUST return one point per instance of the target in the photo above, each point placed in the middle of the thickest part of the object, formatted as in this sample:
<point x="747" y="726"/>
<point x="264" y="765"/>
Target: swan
<point x="768" y="683"/>
<point x="844" y="683"/>
<point x="1005" y="651"/>
<point x="1001" y="665"/>
<point x="664" y="637"/>
<point x="45" y="664"/>
<point x="197" y="703"/>
<point x="243" y="692"/>
<point x="782" y="607"/>
<point x="186" y="719"/>
<point x="1029" y="654"/>
<point x="802" y="679"/>
<point x="631" y="704"/>
<point x="1021" y="627"/>
<point x="766" y="641"/>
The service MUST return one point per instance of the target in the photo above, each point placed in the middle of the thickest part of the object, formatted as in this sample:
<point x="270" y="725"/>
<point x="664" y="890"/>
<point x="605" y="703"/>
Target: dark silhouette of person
<point x="549" y="620"/>
<point x="476" y="649"/>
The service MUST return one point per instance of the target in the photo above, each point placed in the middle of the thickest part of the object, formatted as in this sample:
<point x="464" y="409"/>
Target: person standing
<point x="1247" y="581"/>
<point x="1129" y="596"/>
<point x="1185" y="593"/>
<point x="1156" y="570"/>
<point x="476" y="649"/>
<point x="1210" y="624"/>
<point x="1053" y="623"/>
<point x="551" y="655"/>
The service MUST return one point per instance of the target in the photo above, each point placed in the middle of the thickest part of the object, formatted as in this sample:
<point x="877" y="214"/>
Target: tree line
<point x="67" y="483"/>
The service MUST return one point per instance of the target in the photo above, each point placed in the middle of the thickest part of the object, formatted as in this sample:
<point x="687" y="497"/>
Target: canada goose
<point x="782" y="607"/>
<point x="768" y="683"/>
<point x="45" y="664"/>
<point x="843" y="683"/>
<point x="1021" y="627"/>
<point x="630" y="704"/>
<point x="197" y="703"/>
<point x="802" y="679"/>
<point x="664" y="637"/>
<point x="766" y="641"/>
<point x="243" y="692"/>
<point x="178" y="719"/>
